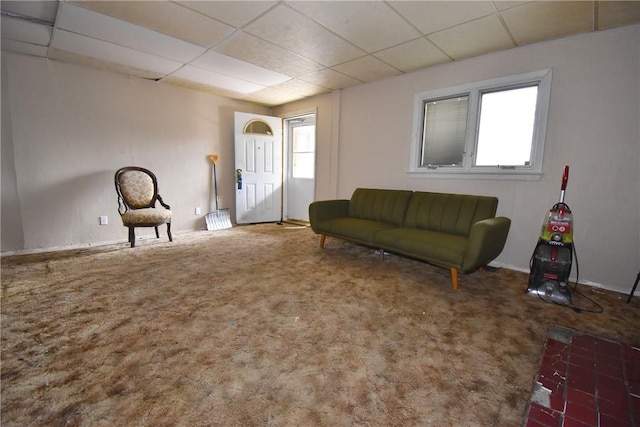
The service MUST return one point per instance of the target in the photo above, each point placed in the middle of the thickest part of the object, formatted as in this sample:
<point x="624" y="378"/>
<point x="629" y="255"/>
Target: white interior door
<point x="301" y="143"/>
<point x="258" y="153"/>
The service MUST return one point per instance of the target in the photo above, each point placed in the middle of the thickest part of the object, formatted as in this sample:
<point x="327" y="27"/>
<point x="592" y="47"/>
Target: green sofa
<point x="456" y="231"/>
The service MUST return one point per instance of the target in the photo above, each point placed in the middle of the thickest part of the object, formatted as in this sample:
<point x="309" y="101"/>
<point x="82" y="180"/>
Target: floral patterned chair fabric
<point x="137" y="190"/>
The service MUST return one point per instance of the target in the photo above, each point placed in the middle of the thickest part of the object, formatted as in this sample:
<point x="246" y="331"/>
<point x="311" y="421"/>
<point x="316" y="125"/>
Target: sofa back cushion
<point x="387" y="206"/>
<point x="448" y="213"/>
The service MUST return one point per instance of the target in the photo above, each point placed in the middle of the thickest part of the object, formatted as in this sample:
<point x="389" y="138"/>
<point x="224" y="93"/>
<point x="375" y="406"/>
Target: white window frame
<point x="468" y="170"/>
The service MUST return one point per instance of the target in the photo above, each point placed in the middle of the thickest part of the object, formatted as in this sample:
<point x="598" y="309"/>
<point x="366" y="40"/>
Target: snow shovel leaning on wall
<point x="218" y="219"/>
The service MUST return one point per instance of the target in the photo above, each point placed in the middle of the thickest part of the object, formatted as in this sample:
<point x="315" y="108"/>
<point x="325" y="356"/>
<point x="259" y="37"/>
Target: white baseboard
<point x="89" y="245"/>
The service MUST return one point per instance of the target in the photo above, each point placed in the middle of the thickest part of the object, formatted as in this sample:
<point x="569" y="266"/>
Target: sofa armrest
<point x="486" y="241"/>
<point x="324" y="210"/>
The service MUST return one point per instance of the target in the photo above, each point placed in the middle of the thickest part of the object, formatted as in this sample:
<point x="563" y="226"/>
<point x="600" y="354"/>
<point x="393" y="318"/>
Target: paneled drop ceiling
<point x="274" y="52"/>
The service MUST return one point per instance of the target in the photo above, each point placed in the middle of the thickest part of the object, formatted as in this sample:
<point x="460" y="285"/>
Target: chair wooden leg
<point x="169" y="232"/>
<point x="454" y="278"/>
<point x="322" y="237"/>
<point x="132" y="237"/>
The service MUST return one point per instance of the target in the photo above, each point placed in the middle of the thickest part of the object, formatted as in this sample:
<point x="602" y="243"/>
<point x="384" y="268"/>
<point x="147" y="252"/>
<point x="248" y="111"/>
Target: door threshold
<point x="297" y="222"/>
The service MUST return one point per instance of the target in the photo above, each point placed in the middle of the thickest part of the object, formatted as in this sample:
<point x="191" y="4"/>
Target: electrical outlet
<point x="198" y="211"/>
<point x="104" y="220"/>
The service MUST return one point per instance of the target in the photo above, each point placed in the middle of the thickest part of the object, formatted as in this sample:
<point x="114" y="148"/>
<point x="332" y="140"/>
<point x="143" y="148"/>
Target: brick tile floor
<point x="585" y="381"/>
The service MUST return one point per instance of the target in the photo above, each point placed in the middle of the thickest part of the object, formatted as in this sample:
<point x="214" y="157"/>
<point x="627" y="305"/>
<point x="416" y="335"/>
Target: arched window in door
<point x="258" y="127"/>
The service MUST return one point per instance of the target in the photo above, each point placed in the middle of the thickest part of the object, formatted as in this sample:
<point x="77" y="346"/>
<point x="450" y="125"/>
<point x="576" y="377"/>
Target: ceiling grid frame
<point x="242" y="58"/>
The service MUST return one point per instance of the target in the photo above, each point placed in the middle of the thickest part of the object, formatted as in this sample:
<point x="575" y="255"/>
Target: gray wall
<point x="66" y="129"/>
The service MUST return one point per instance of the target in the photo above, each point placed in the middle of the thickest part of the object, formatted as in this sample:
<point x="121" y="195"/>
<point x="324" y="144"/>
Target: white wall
<point x="10" y="216"/>
<point x="593" y="128"/>
<point x="66" y="129"/>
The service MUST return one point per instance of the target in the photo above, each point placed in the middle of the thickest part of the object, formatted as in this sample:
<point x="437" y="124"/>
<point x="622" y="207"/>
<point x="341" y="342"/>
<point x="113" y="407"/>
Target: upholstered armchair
<point x="137" y="190"/>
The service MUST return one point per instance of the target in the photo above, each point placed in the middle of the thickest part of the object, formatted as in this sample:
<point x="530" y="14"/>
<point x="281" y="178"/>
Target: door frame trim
<point x="286" y="145"/>
<point x="278" y="139"/>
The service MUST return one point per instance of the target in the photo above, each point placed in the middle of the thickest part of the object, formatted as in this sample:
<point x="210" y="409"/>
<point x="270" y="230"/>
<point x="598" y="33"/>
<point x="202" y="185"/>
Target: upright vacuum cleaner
<point x="550" y="263"/>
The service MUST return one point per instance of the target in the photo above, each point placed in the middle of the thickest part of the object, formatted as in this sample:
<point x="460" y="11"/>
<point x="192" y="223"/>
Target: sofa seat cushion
<point x="432" y="246"/>
<point x="356" y="229"/>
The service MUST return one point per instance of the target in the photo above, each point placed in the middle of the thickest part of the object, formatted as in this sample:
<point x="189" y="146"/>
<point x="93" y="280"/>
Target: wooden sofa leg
<point x="322" y="237"/>
<point x="454" y="278"/>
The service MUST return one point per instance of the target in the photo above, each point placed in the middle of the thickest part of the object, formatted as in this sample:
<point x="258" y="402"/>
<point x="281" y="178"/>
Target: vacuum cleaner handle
<point x="565" y="178"/>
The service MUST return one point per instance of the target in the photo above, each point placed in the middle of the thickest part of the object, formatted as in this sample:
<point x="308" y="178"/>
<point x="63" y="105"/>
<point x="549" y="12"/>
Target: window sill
<point x="511" y="175"/>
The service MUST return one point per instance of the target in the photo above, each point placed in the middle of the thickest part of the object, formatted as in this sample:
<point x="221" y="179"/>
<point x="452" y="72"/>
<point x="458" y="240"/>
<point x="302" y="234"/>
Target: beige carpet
<point x="257" y="325"/>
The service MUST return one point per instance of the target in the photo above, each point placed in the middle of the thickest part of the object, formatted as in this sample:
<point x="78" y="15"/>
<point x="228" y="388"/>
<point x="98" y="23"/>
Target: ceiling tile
<point x="301" y="87"/>
<point x="537" y="21"/>
<point x="212" y="78"/>
<point x="481" y="36"/>
<point x="617" y="13"/>
<point x="367" y="69"/>
<point x="432" y="16"/>
<point x="200" y="87"/>
<point x="65" y="56"/>
<point x="26" y="48"/>
<point x="260" y="52"/>
<point x="508" y="4"/>
<point x="41" y="10"/>
<point x="292" y="30"/>
<point x="223" y="64"/>
<point x="370" y="25"/>
<point x="25" y="31"/>
<point x="110" y="52"/>
<point x="413" y="55"/>
<point x="330" y="79"/>
<point x="86" y="22"/>
<point x="235" y="13"/>
<point x="166" y="17"/>
<point x="83" y="21"/>
<point x="271" y="97"/>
